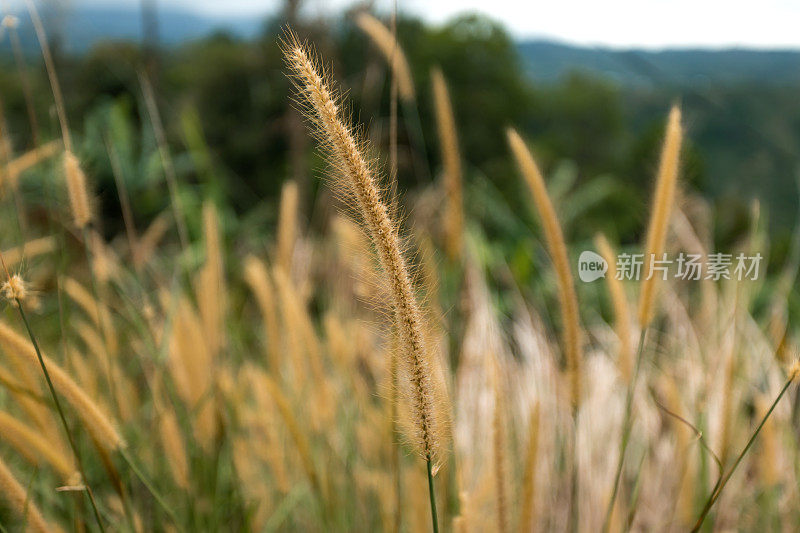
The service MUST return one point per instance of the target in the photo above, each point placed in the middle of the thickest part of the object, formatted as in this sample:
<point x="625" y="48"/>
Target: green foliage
<point x="224" y="101"/>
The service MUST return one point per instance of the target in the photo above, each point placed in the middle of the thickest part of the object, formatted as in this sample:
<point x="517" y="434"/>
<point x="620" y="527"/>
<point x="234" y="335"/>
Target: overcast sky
<point x="651" y="23"/>
<point x="648" y="23"/>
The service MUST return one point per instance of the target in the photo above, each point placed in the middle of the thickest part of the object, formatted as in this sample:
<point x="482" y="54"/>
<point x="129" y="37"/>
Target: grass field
<point x="369" y="362"/>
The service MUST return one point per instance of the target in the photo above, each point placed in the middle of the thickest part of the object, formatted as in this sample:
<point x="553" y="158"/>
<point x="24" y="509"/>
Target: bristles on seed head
<point x="794" y="370"/>
<point x="454" y="216"/>
<point x="358" y="177"/>
<point x="78" y="190"/>
<point x="663" y="201"/>
<point x="382" y="38"/>
<point x="287" y="225"/>
<point x="20" y="502"/>
<point x="619" y="302"/>
<point x="557" y="248"/>
<point x="15" y="289"/>
<point x="87" y="410"/>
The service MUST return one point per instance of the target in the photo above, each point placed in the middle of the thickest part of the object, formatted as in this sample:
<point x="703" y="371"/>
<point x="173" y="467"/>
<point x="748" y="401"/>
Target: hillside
<point x="549" y="61"/>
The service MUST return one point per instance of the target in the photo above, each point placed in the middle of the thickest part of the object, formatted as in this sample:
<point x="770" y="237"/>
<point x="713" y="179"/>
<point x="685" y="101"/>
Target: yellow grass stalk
<point x="305" y="350"/>
<point x="14" y="385"/>
<point x="26" y="391"/>
<point x="383" y="40"/>
<point x="554" y="238"/>
<point x="342" y="345"/>
<point x="417" y="379"/>
<point x="192" y="370"/>
<point x="293" y="327"/>
<point x="357" y="176"/>
<point x="270" y="446"/>
<point x="728" y="411"/>
<point x="297" y="434"/>
<point x="211" y="291"/>
<point x="28" y="160"/>
<point x="124" y="391"/>
<point x="86" y="374"/>
<point x="174" y="448"/>
<point x="41" y="36"/>
<point x="104" y="262"/>
<point x="32" y="248"/>
<point x="148" y="243"/>
<point x="101" y="428"/>
<point x="127" y="394"/>
<point x="34" y="446"/>
<point x="768" y="466"/>
<point x="685" y="486"/>
<point x="663" y="201"/>
<point x="97" y="312"/>
<point x="257" y="277"/>
<point x="78" y="191"/>
<point x="619" y="303"/>
<point x="20" y="503"/>
<point x="499" y="443"/>
<point x="451" y="159"/>
<point x="94" y="342"/>
<point x="287" y="226"/>
<point x="528" y="504"/>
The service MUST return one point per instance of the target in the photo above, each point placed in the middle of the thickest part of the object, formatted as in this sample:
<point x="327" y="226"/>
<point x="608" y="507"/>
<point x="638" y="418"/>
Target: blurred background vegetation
<point x="594" y="117"/>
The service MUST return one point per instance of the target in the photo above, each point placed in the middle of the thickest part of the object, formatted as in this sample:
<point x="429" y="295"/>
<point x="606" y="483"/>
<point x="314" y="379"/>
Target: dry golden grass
<point x="78" y="191"/>
<point x="92" y="417"/>
<point x="663" y="201"/>
<point x="16" y="496"/>
<point x="383" y="40"/>
<point x="556" y="246"/>
<point x="355" y="175"/>
<point x="246" y="380"/>
<point x="451" y="160"/>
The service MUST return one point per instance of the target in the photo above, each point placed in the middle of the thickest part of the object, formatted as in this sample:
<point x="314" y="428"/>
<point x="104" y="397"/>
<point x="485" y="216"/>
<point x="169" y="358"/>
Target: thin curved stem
<point x="627" y="425"/>
<point x="714" y="496"/>
<point x="61" y="416"/>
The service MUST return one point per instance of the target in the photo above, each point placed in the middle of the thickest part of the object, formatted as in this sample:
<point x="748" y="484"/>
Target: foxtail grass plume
<point x="257" y="277"/>
<point x="86" y="409"/>
<point x="382" y="38"/>
<point x="528" y="503"/>
<point x="191" y="365"/>
<point x="287" y="225"/>
<point x="619" y="303"/>
<point x="29" y="249"/>
<point x="554" y="238"/>
<point x="15" y="289"/>
<point x="356" y="177"/>
<point x="663" y="201"/>
<point x="34" y="445"/>
<point x="20" y="503"/>
<point x="211" y="290"/>
<point x="174" y="448"/>
<point x="296" y="432"/>
<point x="451" y="159"/>
<point x="78" y="191"/>
<point x="499" y="444"/>
<point x="29" y="159"/>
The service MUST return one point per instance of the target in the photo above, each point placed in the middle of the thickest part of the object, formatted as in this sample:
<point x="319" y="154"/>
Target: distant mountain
<point x="549" y="61"/>
<point x="81" y="27"/>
